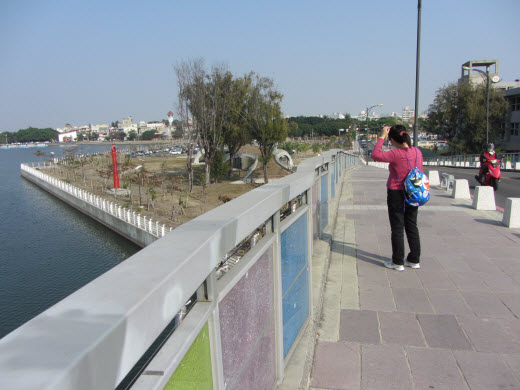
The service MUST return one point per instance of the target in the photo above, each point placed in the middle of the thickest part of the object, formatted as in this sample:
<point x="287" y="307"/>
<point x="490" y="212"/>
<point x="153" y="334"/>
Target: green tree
<point x="236" y="132"/>
<point x="458" y="113"/>
<point x="32" y="134"/>
<point x="116" y="136"/>
<point x="132" y="135"/>
<point x="148" y="135"/>
<point x="265" y="119"/>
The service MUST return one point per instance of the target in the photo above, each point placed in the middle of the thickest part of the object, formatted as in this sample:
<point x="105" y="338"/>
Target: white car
<point x="175" y="151"/>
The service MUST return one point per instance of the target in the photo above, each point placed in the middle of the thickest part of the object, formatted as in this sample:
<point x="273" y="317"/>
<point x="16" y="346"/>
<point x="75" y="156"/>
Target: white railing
<point x="509" y="161"/>
<point x="112" y="208"/>
<point x="245" y="323"/>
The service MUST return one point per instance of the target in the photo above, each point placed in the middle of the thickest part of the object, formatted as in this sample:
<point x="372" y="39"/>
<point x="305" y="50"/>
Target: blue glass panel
<point x="324" y="204"/>
<point x="294" y="251"/>
<point x="315" y="215"/>
<point x="295" y="310"/>
<point x="333" y="180"/>
<point x="325" y="188"/>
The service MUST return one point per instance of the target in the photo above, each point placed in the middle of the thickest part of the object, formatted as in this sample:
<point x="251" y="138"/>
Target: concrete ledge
<point x="433" y="177"/>
<point x="512" y="213"/>
<point x="484" y="198"/>
<point x="461" y="189"/>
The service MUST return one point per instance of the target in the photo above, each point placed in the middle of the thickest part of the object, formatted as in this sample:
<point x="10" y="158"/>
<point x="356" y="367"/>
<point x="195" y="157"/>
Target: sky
<point x="95" y="62"/>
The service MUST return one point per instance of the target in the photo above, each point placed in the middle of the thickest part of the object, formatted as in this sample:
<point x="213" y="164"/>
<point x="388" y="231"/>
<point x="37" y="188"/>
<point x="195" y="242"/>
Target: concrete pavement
<point x="453" y="324"/>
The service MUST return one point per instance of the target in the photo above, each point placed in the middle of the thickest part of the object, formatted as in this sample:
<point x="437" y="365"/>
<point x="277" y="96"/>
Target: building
<point x="128" y="125"/>
<point x="68" y="136"/>
<point x="475" y="73"/>
<point x="512" y="126"/>
<point x="408" y="113"/>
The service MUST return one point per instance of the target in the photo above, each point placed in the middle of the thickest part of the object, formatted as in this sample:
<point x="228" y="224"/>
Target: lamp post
<point x="488" y="80"/>
<point x="367" y="112"/>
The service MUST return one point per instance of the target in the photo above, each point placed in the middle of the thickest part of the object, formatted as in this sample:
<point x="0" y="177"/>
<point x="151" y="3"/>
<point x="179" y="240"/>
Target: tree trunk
<point x="266" y="180"/>
<point x="207" y="171"/>
<point x="232" y="153"/>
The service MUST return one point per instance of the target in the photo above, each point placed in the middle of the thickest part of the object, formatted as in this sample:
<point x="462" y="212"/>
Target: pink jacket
<point x="399" y="166"/>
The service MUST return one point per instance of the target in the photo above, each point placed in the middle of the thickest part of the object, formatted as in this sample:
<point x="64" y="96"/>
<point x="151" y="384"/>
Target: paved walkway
<point x="453" y="324"/>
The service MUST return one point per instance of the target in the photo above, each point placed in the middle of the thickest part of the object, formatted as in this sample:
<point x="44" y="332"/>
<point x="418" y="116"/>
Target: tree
<point x="458" y="113"/>
<point x="236" y="133"/>
<point x="208" y="96"/>
<point x="32" y="134"/>
<point x="265" y="120"/>
<point x="148" y="135"/>
<point x="116" y="136"/>
<point x="132" y="135"/>
<point x="184" y="72"/>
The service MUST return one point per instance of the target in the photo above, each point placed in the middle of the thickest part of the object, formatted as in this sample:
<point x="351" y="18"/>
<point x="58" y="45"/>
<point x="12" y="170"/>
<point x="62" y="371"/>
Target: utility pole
<point x="417" y="63"/>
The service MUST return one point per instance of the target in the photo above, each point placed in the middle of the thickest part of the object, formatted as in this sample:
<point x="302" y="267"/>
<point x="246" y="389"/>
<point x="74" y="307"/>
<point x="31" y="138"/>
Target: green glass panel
<point x="194" y="372"/>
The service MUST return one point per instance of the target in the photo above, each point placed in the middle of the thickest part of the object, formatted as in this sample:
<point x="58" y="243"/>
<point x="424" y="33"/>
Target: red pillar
<point x="114" y="166"/>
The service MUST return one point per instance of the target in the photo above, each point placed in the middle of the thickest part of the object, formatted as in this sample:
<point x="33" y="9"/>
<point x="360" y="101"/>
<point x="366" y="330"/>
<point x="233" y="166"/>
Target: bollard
<point x="461" y="189"/>
<point x="451" y="182"/>
<point x="484" y="198"/>
<point x="433" y="177"/>
<point x="444" y="180"/>
<point x="512" y="213"/>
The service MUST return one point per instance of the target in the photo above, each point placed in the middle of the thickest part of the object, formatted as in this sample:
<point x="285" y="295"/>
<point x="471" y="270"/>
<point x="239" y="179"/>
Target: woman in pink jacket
<point x="401" y="215"/>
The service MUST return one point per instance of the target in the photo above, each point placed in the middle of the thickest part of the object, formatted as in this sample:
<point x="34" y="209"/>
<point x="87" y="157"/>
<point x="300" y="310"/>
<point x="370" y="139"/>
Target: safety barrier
<point x="244" y="324"/>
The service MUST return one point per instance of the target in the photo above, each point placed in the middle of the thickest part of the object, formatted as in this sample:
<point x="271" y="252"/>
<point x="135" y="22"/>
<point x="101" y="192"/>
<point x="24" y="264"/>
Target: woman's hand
<point x="384" y="132"/>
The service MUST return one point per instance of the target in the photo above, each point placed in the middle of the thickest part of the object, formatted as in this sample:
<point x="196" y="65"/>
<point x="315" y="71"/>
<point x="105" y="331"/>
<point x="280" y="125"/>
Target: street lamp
<point x="494" y="79"/>
<point x="367" y="113"/>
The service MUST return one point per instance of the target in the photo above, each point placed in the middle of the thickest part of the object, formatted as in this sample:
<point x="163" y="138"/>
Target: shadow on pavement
<point x="350" y="249"/>
<point x="489" y="222"/>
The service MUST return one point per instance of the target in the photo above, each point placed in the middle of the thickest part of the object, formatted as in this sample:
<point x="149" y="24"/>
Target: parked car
<point x="175" y="151"/>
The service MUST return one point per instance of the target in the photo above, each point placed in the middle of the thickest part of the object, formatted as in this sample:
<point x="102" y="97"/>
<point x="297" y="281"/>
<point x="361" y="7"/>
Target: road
<point x="509" y="186"/>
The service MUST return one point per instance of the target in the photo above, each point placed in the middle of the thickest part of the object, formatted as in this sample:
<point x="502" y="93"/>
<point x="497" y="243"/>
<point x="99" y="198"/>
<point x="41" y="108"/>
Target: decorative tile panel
<point x="194" y="371"/>
<point x="245" y="314"/>
<point x="260" y="372"/>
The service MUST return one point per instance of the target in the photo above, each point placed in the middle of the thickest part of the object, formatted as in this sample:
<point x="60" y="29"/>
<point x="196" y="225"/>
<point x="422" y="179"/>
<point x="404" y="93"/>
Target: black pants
<point x="402" y="215"/>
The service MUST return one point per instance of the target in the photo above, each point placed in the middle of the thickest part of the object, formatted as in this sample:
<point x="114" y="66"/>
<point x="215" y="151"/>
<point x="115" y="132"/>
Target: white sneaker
<point x="390" y="264"/>
<point x="412" y="265"/>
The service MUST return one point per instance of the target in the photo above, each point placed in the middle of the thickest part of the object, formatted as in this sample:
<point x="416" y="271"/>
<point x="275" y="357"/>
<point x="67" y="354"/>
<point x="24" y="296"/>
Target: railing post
<point x="278" y="299"/>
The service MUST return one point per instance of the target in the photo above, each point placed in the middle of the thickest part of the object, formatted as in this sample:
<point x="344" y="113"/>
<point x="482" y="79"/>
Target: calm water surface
<point x="48" y="250"/>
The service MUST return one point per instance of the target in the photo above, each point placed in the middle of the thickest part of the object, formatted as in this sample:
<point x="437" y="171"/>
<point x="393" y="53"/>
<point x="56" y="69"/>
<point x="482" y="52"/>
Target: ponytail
<point x="398" y="134"/>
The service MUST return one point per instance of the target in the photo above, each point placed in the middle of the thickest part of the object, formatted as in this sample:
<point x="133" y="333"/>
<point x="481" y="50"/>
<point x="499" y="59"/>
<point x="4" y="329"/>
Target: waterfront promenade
<point x="453" y="324"/>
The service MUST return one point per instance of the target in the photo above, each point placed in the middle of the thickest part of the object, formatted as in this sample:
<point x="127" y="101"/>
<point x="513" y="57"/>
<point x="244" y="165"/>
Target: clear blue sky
<point x="90" y="61"/>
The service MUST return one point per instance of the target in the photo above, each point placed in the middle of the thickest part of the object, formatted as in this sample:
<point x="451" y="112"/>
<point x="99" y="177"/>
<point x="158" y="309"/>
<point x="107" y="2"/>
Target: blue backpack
<point x="416" y="186"/>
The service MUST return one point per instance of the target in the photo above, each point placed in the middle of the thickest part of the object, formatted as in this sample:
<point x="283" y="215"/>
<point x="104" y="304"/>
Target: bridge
<point x="286" y="289"/>
<point x="244" y="272"/>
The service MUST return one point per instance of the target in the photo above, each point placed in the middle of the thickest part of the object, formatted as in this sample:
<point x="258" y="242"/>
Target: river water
<point x="48" y="250"/>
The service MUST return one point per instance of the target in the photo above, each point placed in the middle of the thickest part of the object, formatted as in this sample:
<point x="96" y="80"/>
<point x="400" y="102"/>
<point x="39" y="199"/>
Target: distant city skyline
<point x="97" y="62"/>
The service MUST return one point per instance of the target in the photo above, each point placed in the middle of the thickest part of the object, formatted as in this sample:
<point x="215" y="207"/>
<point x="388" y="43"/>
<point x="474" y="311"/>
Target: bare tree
<point x="185" y="72"/>
<point x="207" y="96"/>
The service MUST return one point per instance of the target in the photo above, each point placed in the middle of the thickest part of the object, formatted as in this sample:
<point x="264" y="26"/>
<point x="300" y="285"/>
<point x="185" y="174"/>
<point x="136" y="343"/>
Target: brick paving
<point x="453" y="324"/>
